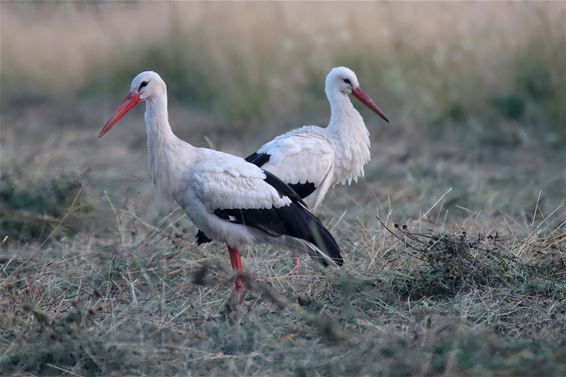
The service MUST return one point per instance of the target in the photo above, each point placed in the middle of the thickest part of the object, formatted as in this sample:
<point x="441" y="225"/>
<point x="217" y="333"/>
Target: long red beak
<point x="366" y="100"/>
<point x="131" y="100"/>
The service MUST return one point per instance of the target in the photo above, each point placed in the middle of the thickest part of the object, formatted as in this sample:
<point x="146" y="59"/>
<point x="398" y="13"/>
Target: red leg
<point x="236" y="261"/>
<point x="295" y="265"/>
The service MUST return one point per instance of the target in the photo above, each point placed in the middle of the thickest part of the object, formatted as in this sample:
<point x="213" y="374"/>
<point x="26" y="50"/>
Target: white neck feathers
<point x="350" y="137"/>
<point x="168" y="156"/>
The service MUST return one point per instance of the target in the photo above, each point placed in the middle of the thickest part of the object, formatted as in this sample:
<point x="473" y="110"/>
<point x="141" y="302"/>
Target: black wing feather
<point x="258" y="159"/>
<point x="282" y="188"/>
<point x="302" y="189"/>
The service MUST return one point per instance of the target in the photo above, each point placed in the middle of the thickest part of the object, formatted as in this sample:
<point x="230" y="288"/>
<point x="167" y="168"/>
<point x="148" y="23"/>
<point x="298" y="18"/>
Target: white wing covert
<point x="300" y="156"/>
<point x="223" y="181"/>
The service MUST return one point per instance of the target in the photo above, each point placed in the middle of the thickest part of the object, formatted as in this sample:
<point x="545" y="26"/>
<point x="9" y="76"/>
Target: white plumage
<point x="227" y="198"/>
<point x="223" y="181"/>
<point x="312" y="159"/>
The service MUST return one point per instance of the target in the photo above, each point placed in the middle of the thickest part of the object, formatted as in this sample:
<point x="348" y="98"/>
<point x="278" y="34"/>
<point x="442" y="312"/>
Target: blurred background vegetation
<point x="487" y="72"/>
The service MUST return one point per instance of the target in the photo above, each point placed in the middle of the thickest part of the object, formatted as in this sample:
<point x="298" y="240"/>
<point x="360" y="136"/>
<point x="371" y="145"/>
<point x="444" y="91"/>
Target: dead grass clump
<point x="549" y="255"/>
<point x="453" y="263"/>
<point x="446" y="347"/>
<point x="54" y="344"/>
<point x="36" y="210"/>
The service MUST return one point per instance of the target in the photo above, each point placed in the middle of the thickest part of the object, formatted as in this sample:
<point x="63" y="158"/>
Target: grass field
<point x="454" y="243"/>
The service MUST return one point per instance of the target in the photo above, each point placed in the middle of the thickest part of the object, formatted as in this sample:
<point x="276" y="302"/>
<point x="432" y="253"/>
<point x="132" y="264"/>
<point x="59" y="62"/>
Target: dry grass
<point x="132" y="294"/>
<point x="144" y="300"/>
<point x="470" y="282"/>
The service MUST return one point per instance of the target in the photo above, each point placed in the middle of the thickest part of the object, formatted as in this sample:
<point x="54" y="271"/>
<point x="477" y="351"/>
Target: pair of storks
<point x="264" y="197"/>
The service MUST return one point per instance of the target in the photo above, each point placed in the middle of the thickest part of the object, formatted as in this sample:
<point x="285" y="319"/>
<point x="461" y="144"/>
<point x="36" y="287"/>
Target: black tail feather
<point x="308" y="227"/>
<point x="202" y="238"/>
<point x="293" y="220"/>
<point x="303" y="223"/>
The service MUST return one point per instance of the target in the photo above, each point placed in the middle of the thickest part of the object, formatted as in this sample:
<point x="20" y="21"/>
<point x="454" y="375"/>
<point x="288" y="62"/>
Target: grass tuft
<point x="39" y="210"/>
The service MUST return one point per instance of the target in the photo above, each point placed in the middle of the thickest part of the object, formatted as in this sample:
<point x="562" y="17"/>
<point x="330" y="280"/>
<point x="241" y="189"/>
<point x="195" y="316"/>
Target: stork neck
<point x="342" y="113"/>
<point x="167" y="154"/>
<point x="350" y="138"/>
<point x="157" y="122"/>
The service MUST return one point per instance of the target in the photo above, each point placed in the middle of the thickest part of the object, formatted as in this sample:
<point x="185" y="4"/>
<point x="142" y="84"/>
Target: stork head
<point x="148" y="84"/>
<point x="145" y="86"/>
<point x="343" y="80"/>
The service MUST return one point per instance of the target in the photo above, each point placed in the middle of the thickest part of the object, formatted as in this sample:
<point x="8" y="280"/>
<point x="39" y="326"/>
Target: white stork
<point x="227" y="198"/>
<point x="312" y="159"/>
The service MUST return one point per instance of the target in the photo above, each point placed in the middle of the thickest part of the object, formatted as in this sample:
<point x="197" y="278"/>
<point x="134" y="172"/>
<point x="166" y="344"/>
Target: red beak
<point x="130" y="101"/>
<point x="366" y="100"/>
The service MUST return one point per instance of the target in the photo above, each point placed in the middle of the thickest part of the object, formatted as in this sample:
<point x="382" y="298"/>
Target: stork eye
<point x="142" y="85"/>
<point x="347" y="81"/>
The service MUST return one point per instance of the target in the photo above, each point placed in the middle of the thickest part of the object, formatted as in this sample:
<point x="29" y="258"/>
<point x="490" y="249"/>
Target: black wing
<point x="293" y="220"/>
